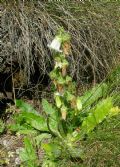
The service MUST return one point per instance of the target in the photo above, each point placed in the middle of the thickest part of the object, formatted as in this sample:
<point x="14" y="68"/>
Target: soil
<point x="11" y="144"/>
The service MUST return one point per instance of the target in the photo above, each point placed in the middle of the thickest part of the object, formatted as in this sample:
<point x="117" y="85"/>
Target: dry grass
<point x="27" y="28"/>
<point x="103" y="146"/>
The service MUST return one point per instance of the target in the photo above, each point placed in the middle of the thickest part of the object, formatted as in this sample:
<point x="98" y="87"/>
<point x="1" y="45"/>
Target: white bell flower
<point x="58" y="94"/>
<point x="55" y="44"/>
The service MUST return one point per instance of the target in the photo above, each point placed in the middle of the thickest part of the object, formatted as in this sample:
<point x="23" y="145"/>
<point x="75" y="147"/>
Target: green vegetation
<point x="68" y="121"/>
<point x="77" y="121"/>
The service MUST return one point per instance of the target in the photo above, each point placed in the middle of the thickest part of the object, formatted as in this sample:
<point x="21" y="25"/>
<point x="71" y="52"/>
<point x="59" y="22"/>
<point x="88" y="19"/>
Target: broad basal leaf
<point x="25" y="106"/>
<point x="52" y="118"/>
<point x="38" y="139"/>
<point x="36" y="121"/>
<point x="47" y="107"/>
<point x="97" y="115"/>
<point x="22" y="129"/>
<point x="53" y="150"/>
<point x="93" y="95"/>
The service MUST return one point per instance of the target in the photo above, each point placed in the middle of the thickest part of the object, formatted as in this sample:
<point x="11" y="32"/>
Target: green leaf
<point x="25" y="107"/>
<point x="28" y="154"/>
<point x="69" y="96"/>
<point x="62" y="128"/>
<point x="22" y="129"/>
<point x="115" y="75"/>
<point x="54" y="74"/>
<point x="63" y="36"/>
<point x="114" y="111"/>
<point x="93" y="95"/>
<point x="68" y="79"/>
<point x="53" y="125"/>
<point x="47" y="107"/>
<point x="36" y="121"/>
<point x="28" y="120"/>
<point x="53" y="117"/>
<point x="61" y="80"/>
<point x="49" y="163"/>
<point x="30" y="116"/>
<point x="38" y="139"/>
<point x="79" y="103"/>
<point x="27" y="132"/>
<point x="58" y="59"/>
<point x="65" y="63"/>
<point x="58" y="101"/>
<point x="97" y="115"/>
<point x="89" y="123"/>
<point x="53" y="150"/>
<point x="71" y="87"/>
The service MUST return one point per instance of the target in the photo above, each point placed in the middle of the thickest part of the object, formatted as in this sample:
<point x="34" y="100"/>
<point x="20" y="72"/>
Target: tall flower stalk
<point x="65" y="91"/>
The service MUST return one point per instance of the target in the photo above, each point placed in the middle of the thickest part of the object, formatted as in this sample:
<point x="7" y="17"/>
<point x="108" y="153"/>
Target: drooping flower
<point x="56" y="44"/>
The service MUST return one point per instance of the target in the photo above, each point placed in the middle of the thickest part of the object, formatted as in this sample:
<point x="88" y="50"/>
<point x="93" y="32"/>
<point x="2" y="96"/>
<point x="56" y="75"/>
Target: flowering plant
<point x="70" y="118"/>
